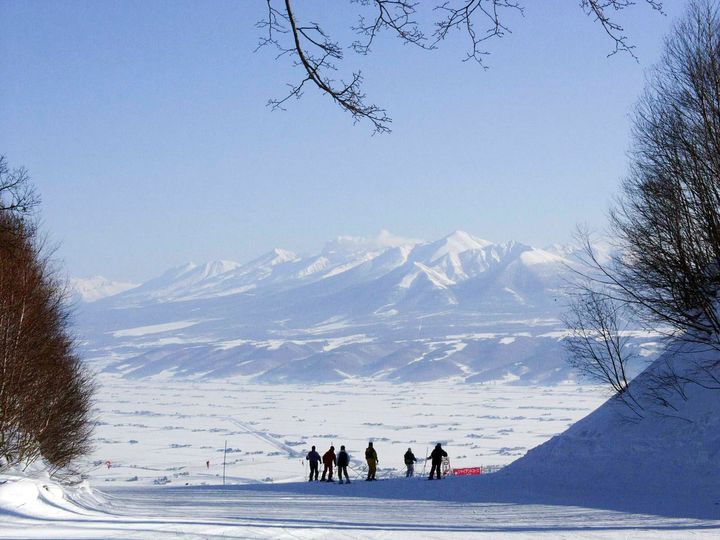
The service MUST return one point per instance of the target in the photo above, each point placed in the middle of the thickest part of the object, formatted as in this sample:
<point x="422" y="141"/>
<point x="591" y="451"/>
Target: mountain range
<point x="385" y="307"/>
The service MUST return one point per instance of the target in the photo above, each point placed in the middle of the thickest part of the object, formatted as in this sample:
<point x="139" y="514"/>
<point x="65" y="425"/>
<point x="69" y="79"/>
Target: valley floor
<point x="165" y="431"/>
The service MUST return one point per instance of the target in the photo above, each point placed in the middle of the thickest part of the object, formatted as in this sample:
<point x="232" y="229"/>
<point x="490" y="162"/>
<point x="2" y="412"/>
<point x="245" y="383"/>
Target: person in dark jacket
<point x="343" y="460"/>
<point x="329" y="460"/>
<point x="437" y="456"/>
<point x="314" y="459"/>
<point x="372" y="460"/>
<point x="410" y="460"/>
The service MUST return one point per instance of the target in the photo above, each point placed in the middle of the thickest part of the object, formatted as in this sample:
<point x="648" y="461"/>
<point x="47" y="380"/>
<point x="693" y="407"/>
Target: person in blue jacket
<point x="314" y="459"/>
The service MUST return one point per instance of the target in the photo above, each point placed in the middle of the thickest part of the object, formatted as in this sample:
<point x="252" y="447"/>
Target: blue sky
<point x="144" y="127"/>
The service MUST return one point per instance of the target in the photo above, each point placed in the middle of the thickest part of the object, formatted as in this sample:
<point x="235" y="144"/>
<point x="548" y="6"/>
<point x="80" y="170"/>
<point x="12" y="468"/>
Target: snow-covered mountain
<point x="97" y="287"/>
<point x="383" y="307"/>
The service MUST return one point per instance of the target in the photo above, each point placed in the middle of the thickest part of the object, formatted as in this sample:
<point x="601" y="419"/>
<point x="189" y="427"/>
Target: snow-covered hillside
<point x="659" y="447"/>
<point x="403" y="310"/>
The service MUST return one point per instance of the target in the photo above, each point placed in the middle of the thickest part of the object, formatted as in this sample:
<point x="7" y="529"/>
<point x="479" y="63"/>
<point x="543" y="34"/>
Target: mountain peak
<point x="282" y="255"/>
<point x="98" y="287"/>
<point x="466" y="239"/>
<point x="457" y="242"/>
<point x="352" y="244"/>
<point x="213" y="268"/>
<point x="273" y="257"/>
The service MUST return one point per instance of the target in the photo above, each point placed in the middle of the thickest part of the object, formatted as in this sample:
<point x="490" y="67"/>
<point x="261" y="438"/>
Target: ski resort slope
<point x="488" y="507"/>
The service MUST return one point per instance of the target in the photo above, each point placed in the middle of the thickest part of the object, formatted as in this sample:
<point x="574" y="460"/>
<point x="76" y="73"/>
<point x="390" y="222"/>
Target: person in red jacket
<point x="329" y="460"/>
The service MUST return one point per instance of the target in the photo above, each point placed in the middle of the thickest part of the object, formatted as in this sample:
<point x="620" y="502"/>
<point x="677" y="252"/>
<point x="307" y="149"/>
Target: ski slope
<point x="391" y="509"/>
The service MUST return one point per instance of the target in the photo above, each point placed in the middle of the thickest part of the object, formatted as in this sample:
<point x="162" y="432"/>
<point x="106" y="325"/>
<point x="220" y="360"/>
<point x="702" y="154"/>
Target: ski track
<point x="358" y="470"/>
<point x="266" y="437"/>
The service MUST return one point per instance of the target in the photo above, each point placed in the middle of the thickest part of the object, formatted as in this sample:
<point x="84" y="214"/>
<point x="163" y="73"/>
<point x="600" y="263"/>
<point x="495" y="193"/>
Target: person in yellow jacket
<point x="372" y="461"/>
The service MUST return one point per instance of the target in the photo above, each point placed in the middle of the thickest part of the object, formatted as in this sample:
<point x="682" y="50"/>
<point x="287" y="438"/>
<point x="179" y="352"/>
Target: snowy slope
<point x="396" y="509"/>
<point x="667" y="444"/>
<point x="457" y="307"/>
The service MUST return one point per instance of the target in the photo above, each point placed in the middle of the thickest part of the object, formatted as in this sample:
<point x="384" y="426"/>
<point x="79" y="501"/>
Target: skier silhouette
<point x="372" y="460"/>
<point x="436" y="456"/>
<point x="314" y="459"/>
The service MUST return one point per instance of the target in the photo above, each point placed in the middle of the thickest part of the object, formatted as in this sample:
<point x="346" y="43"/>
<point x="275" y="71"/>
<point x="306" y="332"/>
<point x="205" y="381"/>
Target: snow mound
<point x="662" y="439"/>
<point x="39" y="497"/>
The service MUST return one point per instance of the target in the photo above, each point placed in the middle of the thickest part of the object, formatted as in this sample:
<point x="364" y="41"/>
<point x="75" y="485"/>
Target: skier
<point x="343" y="460"/>
<point x="372" y="461"/>
<point x="436" y="456"/>
<point x="410" y="460"/>
<point x="328" y="460"/>
<point x="314" y="459"/>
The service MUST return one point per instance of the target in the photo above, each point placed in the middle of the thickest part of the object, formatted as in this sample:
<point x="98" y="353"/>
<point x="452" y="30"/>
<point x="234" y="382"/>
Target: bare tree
<point x="317" y="55"/>
<point x="598" y="340"/>
<point x="45" y="392"/>
<point x="598" y="345"/>
<point x="16" y="192"/>
<point x="666" y="269"/>
<point x="668" y="219"/>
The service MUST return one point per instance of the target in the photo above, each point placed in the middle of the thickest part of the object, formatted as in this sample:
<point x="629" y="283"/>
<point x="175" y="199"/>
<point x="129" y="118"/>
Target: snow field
<point x="164" y="431"/>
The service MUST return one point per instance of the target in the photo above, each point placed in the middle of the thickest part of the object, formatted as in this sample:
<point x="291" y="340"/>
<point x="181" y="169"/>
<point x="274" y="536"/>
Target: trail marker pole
<point x="425" y="462"/>
<point x="224" y="454"/>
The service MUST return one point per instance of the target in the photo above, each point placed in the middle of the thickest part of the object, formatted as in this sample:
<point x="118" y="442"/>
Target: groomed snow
<point x="390" y="509"/>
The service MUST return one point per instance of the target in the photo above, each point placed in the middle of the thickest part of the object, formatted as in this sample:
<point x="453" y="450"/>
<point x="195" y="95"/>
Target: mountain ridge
<point x="380" y="307"/>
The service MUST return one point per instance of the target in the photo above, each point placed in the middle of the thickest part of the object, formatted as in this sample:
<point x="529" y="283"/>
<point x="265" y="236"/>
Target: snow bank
<point x="35" y="497"/>
<point x="664" y="456"/>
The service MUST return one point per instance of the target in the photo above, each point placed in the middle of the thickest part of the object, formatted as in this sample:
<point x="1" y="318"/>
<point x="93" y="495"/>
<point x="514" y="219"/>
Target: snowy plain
<point x="158" y="435"/>
<point x="154" y="429"/>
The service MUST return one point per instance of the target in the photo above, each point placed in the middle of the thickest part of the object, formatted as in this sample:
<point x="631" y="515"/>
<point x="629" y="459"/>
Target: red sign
<point x="467" y="471"/>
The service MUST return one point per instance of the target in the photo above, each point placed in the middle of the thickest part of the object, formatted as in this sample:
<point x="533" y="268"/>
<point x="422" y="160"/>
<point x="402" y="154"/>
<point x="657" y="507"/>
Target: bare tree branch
<point x="318" y="56"/>
<point x="601" y="9"/>
<point x="16" y="193"/>
<point x="394" y="15"/>
<point x="464" y="16"/>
